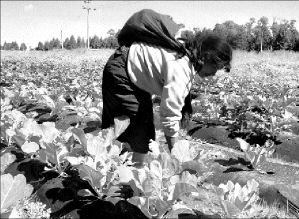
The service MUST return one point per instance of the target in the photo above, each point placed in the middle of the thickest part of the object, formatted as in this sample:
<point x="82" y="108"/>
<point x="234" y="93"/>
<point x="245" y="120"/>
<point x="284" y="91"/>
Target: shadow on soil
<point x="286" y="148"/>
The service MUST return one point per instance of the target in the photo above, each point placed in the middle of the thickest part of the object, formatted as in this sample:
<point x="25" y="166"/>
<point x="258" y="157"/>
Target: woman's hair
<point x="208" y="47"/>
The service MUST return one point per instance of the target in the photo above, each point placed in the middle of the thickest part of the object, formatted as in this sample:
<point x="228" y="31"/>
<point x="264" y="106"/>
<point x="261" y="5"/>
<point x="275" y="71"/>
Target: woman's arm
<point x="178" y="76"/>
<point x="171" y="141"/>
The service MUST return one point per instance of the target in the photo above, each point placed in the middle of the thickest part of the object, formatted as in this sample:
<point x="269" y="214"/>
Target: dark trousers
<point x="122" y="97"/>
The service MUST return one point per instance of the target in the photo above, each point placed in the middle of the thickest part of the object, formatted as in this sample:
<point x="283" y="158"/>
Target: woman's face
<point x="207" y="70"/>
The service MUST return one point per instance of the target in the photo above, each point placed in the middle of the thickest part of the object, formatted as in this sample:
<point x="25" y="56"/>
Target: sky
<point x="34" y="21"/>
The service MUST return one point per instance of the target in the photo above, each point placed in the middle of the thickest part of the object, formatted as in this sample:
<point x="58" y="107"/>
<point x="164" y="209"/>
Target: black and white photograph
<point x="149" y="109"/>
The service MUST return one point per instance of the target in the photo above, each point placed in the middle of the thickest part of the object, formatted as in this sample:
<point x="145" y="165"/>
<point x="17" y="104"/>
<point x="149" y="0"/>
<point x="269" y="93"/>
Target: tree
<point x="110" y="42"/>
<point x="205" y="31"/>
<point x="51" y="44"/>
<point x="23" y="47"/>
<point x="79" y="42"/>
<point x="111" y="32"/>
<point x="250" y="42"/>
<point x="275" y="32"/>
<point x="56" y="43"/>
<point x="102" y="43"/>
<point x="66" y="43"/>
<point x="14" y="46"/>
<point x="47" y="46"/>
<point x="73" y="44"/>
<point x="196" y="30"/>
<point x="262" y="35"/>
<point x="234" y="34"/>
<point x="5" y="46"/>
<point x="241" y="39"/>
<point x="294" y="34"/>
<point x="40" y="46"/>
<point x="284" y="35"/>
<point x="83" y="44"/>
<point x="95" y="42"/>
<point x="187" y="34"/>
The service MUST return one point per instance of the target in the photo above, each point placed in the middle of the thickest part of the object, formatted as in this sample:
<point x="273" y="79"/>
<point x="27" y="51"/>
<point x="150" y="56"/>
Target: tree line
<point x="13" y="46"/>
<point x="69" y="43"/>
<point x="258" y="35"/>
<point x="255" y="35"/>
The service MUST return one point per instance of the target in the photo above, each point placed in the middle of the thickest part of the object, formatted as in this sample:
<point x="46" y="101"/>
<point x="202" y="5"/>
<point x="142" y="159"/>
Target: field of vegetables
<point x="57" y="162"/>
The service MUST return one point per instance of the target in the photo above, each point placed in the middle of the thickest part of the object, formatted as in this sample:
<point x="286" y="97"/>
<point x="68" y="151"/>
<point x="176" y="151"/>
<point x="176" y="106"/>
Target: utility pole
<point x="261" y="40"/>
<point x="88" y="8"/>
<point x="61" y="39"/>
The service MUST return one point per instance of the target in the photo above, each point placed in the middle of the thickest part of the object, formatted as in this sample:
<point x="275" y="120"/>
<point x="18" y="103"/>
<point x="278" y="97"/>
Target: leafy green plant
<point x="235" y="199"/>
<point x="13" y="189"/>
<point x="255" y="154"/>
<point x="6" y="159"/>
<point x="28" y="208"/>
<point x="160" y="184"/>
<point x="100" y="154"/>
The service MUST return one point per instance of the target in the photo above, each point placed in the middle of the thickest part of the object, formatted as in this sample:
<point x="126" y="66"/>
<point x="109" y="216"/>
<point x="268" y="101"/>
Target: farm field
<point x="239" y="156"/>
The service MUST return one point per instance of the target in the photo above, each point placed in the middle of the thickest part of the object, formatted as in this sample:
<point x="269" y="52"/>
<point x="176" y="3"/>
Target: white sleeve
<point x="177" y="84"/>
